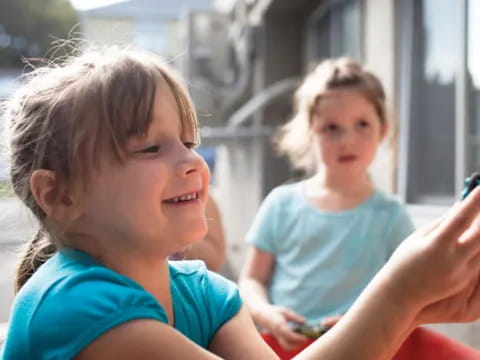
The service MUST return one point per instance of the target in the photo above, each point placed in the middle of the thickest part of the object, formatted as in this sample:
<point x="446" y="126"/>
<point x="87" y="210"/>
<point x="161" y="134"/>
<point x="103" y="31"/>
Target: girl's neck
<point x="338" y="194"/>
<point x="148" y="270"/>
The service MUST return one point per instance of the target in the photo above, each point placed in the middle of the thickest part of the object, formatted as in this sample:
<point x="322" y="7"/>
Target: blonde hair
<point x="294" y="138"/>
<point x="66" y="114"/>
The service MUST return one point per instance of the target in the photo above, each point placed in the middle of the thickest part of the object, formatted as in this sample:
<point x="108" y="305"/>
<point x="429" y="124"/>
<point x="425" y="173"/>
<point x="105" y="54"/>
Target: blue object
<point x="470" y="184"/>
<point x="72" y="299"/>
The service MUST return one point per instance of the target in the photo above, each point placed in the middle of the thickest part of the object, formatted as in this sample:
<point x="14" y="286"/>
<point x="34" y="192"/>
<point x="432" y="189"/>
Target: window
<point x="473" y="83"/>
<point x="334" y="29"/>
<point x="434" y="88"/>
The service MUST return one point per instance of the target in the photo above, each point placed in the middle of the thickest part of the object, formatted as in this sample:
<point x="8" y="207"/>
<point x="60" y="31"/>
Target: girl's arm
<point x="239" y="339"/>
<point x="143" y="339"/>
<point x="253" y="282"/>
<point x="150" y="339"/>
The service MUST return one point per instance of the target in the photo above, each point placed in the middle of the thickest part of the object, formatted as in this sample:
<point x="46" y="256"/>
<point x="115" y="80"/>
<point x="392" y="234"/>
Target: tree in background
<point x="29" y="27"/>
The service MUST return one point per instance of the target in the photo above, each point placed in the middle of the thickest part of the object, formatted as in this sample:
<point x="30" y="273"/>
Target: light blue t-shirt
<point x="323" y="260"/>
<point x="72" y="299"/>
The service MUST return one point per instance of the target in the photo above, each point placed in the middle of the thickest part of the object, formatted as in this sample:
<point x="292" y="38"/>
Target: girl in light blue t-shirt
<point x="317" y="243"/>
<point x="102" y="152"/>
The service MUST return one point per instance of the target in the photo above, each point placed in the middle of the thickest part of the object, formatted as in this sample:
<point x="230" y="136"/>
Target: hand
<point x="279" y="327"/>
<point x="436" y="270"/>
<point x="461" y="307"/>
<point x="329" y="321"/>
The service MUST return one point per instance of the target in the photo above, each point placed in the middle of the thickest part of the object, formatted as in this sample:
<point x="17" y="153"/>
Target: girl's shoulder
<point x="82" y="298"/>
<point x="384" y="201"/>
<point x="193" y="275"/>
<point x="287" y="191"/>
<point x="81" y="285"/>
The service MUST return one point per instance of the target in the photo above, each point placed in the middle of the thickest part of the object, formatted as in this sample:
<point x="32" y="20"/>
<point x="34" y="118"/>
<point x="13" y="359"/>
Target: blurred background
<point x="244" y="58"/>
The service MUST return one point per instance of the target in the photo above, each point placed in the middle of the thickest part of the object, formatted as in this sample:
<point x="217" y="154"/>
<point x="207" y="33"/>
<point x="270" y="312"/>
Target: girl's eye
<point x="363" y="123"/>
<point x="190" y="144"/>
<point x="331" y="128"/>
<point x="150" y="149"/>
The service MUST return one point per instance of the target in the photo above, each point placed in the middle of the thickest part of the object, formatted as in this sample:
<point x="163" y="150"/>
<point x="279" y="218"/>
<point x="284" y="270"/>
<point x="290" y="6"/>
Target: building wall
<point x="102" y="30"/>
<point x="378" y="51"/>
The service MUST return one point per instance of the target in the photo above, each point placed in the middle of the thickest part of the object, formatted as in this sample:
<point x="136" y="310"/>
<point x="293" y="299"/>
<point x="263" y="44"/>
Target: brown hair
<point x="65" y="114"/>
<point x="293" y="138"/>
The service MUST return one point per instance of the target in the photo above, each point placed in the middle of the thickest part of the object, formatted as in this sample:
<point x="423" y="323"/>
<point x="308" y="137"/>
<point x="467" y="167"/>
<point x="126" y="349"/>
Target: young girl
<point x="102" y="153"/>
<point x="316" y="244"/>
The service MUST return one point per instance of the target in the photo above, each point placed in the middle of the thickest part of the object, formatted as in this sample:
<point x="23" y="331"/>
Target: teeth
<point x="183" y="198"/>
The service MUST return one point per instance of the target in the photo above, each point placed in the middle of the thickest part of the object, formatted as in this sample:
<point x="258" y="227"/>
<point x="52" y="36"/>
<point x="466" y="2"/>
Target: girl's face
<point x="155" y="201"/>
<point x="346" y="132"/>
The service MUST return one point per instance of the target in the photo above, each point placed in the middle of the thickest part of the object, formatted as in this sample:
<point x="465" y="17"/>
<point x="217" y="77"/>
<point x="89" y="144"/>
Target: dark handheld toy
<point x="310" y="331"/>
<point x="470" y="184"/>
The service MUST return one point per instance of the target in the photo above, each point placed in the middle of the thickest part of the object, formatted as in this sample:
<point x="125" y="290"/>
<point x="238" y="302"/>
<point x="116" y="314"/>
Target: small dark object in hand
<point x="310" y="331"/>
<point x="470" y="184"/>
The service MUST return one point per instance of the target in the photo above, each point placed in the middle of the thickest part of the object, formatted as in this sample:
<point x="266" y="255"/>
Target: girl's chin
<point x="195" y="235"/>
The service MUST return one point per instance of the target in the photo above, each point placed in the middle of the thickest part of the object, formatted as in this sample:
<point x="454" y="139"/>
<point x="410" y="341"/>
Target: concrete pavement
<point x="16" y="227"/>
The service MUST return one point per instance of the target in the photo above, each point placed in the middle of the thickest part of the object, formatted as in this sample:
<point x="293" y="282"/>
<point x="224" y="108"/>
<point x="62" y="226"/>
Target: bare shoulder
<point x="143" y="339"/>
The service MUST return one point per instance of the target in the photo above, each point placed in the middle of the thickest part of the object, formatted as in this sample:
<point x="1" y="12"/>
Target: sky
<point x="90" y="4"/>
<point x="222" y="5"/>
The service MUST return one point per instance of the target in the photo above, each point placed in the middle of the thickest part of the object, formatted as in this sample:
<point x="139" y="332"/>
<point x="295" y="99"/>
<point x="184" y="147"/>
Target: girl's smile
<point x="184" y="199"/>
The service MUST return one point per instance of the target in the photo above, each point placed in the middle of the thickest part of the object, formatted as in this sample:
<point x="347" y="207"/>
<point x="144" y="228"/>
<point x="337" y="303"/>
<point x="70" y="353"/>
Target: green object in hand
<point x="310" y="331"/>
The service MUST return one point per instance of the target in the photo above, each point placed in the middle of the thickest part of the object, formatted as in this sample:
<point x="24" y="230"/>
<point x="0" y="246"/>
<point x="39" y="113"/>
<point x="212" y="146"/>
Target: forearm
<point x="373" y="329"/>
<point x="255" y="295"/>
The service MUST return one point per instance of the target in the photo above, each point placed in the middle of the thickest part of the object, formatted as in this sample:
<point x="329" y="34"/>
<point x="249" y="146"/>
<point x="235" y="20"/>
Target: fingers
<point x="291" y="340"/>
<point x="292" y="316"/>
<point x="331" y="320"/>
<point x="459" y="218"/>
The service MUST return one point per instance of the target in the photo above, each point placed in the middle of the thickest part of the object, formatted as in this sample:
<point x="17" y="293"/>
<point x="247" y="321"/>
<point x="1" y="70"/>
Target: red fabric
<point x="422" y="344"/>
<point x="279" y="350"/>
<point x="425" y="344"/>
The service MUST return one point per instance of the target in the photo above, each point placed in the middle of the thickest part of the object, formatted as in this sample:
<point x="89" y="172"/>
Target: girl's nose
<point x="190" y="162"/>
<point x="345" y="136"/>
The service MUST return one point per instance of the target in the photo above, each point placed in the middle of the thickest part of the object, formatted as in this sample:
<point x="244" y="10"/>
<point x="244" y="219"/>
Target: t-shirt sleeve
<point x="223" y="297"/>
<point x="262" y="232"/>
<point x="400" y="228"/>
<point x="78" y="309"/>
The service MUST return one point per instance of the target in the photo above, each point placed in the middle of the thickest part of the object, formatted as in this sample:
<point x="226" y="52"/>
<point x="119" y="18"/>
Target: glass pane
<point x="350" y="20"/>
<point x="337" y="31"/>
<point x="473" y="68"/>
<point x="322" y="37"/>
<point x="435" y="55"/>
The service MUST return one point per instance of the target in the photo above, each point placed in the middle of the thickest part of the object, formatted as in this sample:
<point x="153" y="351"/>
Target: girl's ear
<point x="48" y="193"/>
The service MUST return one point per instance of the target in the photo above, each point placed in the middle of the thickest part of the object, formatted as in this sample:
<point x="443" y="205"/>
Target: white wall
<point x="378" y="53"/>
